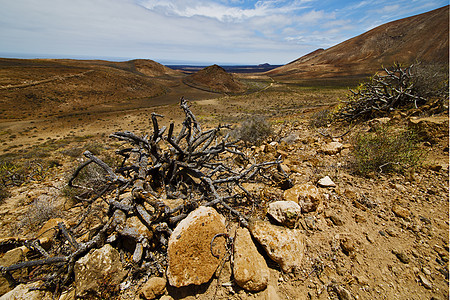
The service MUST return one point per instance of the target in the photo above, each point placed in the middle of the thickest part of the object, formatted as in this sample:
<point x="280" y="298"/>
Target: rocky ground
<point x="333" y="234"/>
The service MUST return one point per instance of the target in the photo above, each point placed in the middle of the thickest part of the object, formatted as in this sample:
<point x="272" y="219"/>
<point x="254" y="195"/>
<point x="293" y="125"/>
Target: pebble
<point x="401" y="256"/>
<point x="400" y="211"/>
<point x="426" y="283"/>
<point x="426" y="271"/>
<point x="336" y="220"/>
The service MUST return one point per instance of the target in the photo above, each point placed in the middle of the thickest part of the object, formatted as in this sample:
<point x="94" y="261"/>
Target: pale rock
<point x="25" y="292"/>
<point x="166" y="297"/>
<point x="95" y="267"/>
<point x="153" y="288"/>
<point x="284" y="246"/>
<point x="285" y="212"/>
<point x="326" y="182"/>
<point x="332" y="148"/>
<point x="291" y="138"/>
<point x="134" y="228"/>
<point x="189" y="251"/>
<point x="285" y="168"/>
<point x="430" y="128"/>
<point x="250" y="269"/>
<point x="426" y="283"/>
<point x="306" y="195"/>
<point x="68" y="295"/>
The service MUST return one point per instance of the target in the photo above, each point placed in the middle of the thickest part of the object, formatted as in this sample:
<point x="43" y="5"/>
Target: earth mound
<point x="214" y="78"/>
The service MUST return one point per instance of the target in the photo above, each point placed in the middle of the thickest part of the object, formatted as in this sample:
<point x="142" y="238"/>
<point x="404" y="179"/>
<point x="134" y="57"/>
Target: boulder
<point x="48" y="230"/>
<point x="11" y="257"/>
<point x="332" y="148"/>
<point x="250" y="269"/>
<point x="153" y="288"/>
<point x="190" y="260"/>
<point x="285" y="212"/>
<point x="306" y="195"/>
<point x="96" y="267"/>
<point x="284" y="246"/>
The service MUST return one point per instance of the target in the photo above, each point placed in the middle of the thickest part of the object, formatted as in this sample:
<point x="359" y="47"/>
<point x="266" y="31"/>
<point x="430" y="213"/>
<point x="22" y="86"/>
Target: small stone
<point x="426" y="271"/>
<point x="250" y="269"/>
<point x="426" y="283"/>
<point x="332" y="148"/>
<point x="400" y="211"/>
<point x="326" y="182"/>
<point x="336" y="220"/>
<point x="391" y="231"/>
<point x="285" y="212"/>
<point x="360" y="218"/>
<point x="348" y="246"/>
<point x="271" y="293"/>
<point x="401" y="256"/>
<point x="343" y="293"/>
<point x="153" y="288"/>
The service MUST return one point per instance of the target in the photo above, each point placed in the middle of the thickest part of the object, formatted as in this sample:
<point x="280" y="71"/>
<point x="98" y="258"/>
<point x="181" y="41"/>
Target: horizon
<point x="197" y="33"/>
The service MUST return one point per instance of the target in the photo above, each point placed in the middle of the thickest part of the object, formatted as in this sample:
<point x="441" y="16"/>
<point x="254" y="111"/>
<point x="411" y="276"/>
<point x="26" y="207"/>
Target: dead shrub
<point x="40" y="211"/>
<point x="320" y="119"/>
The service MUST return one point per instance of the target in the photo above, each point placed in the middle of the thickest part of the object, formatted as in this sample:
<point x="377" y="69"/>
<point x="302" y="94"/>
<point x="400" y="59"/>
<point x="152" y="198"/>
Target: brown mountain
<point x="423" y="37"/>
<point x="214" y="78"/>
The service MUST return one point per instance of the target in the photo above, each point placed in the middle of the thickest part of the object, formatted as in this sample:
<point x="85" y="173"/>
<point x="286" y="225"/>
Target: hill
<point x="42" y="87"/>
<point x="214" y="78"/>
<point x="423" y="37"/>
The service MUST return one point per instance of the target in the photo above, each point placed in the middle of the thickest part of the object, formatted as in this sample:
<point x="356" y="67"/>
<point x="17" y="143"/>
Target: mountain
<point x="423" y="38"/>
<point x="214" y="78"/>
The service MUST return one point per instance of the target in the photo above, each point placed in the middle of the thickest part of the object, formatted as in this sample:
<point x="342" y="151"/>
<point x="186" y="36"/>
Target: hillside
<point x="42" y="87"/>
<point x="214" y="78"/>
<point x="423" y="37"/>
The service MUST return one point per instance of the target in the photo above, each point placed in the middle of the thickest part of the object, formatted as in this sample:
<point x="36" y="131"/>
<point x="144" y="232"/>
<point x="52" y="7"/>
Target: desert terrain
<point x="378" y="235"/>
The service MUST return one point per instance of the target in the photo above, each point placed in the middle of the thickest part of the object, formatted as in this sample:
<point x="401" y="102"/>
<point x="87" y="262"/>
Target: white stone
<point x="285" y="212"/>
<point x="326" y="182"/>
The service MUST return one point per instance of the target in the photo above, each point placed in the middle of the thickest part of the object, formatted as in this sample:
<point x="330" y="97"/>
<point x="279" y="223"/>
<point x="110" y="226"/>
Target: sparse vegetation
<point x="40" y="211"/>
<point x="320" y="119"/>
<point x="400" y="87"/>
<point x="385" y="150"/>
<point x="254" y="130"/>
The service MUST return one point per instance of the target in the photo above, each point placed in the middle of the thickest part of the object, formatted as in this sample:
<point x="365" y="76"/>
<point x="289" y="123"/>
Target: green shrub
<point x="254" y="130"/>
<point x="385" y="150"/>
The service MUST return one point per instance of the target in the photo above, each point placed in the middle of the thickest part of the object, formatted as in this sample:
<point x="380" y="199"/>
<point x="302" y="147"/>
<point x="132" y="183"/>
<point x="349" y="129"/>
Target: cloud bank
<point x="188" y="31"/>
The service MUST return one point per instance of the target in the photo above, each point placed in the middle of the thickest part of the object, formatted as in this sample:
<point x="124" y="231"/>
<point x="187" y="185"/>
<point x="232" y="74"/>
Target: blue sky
<point x="191" y="31"/>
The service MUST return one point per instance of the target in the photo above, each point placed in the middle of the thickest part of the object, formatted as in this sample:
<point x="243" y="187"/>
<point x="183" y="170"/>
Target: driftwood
<point x="194" y="165"/>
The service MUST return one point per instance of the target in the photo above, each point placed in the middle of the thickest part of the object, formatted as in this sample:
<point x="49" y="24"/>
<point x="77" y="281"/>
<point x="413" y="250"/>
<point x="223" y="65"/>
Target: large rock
<point x="285" y="212"/>
<point x="250" y="269"/>
<point x="189" y="251"/>
<point x="306" y="195"/>
<point x="285" y="246"/>
<point x="11" y="257"/>
<point x="98" y="266"/>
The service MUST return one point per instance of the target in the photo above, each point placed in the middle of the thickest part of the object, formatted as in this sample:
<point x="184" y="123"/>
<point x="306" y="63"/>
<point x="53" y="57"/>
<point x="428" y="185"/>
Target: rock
<point x="348" y="246"/>
<point x="250" y="269"/>
<point x="11" y="257"/>
<point x="402" y="256"/>
<point x="153" y="288"/>
<point x="343" y="293"/>
<point x="430" y="128"/>
<point x="426" y="271"/>
<point x="376" y="123"/>
<point x="68" y="295"/>
<point x="392" y="231"/>
<point x="306" y="195"/>
<point x="360" y="218"/>
<point x="284" y="246"/>
<point x="400" y="211"/>
<point x="282" y="153"/>
<point x="331" y="148"/>
<point x="134" y="228"/>
<point x="166" y="297"/>
<point x="26" y="292"/>
<point x="95" y="268"/>
<point x="336" y="219"/>
<point x="426" y="283"/>
<point x="46" y="233"/>
<point x="326" y="182"/>
<point x="189" y="251"/>
<point x="285" y="212"/>
<point x="291" y="138"/>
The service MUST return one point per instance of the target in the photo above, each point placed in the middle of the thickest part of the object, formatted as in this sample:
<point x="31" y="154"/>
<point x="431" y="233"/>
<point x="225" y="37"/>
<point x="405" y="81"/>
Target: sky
<point x="199" y="32"/>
